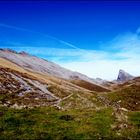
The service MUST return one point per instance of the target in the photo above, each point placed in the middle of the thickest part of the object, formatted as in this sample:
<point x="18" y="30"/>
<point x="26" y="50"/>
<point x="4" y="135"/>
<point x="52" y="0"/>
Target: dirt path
<point x="57" y="103"/>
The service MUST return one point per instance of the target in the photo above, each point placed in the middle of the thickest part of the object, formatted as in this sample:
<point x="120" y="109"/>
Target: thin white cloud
<point x="106" y="69"/>
<point x="104" y="64"/>
<point x="122" y="52"/>
<point x="40" y="34"/>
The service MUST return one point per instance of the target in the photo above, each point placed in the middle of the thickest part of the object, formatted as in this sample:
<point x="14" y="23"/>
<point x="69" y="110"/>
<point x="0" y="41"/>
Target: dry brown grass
<point x="57" y="86"/>
<point x="89" y="86"/>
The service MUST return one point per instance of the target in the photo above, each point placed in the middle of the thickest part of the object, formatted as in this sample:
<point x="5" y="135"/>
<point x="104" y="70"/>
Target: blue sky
<point x="96" y="38"/>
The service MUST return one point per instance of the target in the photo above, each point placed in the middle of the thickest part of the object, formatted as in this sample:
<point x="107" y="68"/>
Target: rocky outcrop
<point x="124" y="76"/>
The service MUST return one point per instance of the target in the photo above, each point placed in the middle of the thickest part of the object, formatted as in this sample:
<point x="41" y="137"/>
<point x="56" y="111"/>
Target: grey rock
<point x="124" y="76"/>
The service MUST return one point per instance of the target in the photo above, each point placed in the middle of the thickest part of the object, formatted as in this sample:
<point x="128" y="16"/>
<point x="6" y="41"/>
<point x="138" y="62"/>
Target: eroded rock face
<point x="124" y="76"/>
<point x="17" y="88"/>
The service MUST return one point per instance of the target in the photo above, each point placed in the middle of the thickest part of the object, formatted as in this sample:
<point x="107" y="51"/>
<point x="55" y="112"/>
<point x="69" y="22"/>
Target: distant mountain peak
<point x="124" y="76"/>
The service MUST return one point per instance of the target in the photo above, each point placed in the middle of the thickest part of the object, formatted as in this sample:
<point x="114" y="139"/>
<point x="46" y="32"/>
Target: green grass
<point x="133" y="130"/>
<point x="129" y="97"/>
<point x="49" y="123"/>
<point x="134" y="118"/>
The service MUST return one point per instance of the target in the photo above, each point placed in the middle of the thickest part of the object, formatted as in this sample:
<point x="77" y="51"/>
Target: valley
<point x="42" y="100"/>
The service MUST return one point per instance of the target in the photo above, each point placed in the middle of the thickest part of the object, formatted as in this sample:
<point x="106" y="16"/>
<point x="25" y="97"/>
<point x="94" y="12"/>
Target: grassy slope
<point x="53" y="124"/>
<point x="74" y="123"/>
<point x="49" y="123"/>
<point x="89" y="86"/>
<point x="58" y="87"/>
<point x="129" y="97"/>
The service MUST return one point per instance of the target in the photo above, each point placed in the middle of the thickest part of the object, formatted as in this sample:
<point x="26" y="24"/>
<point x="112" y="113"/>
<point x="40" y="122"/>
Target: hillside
<point x="25" y="88"/>
<point x="41" y="100"/>
<point x="42" y="66"/>
<point x="127" y="95"/>
<point x="89" y="86"/>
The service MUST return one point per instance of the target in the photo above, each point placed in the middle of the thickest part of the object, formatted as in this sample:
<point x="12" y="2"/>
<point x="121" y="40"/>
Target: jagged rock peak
<point x="124" y="76"/>
<point x="13" y="51"/>
<point x="8" y="50"/>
